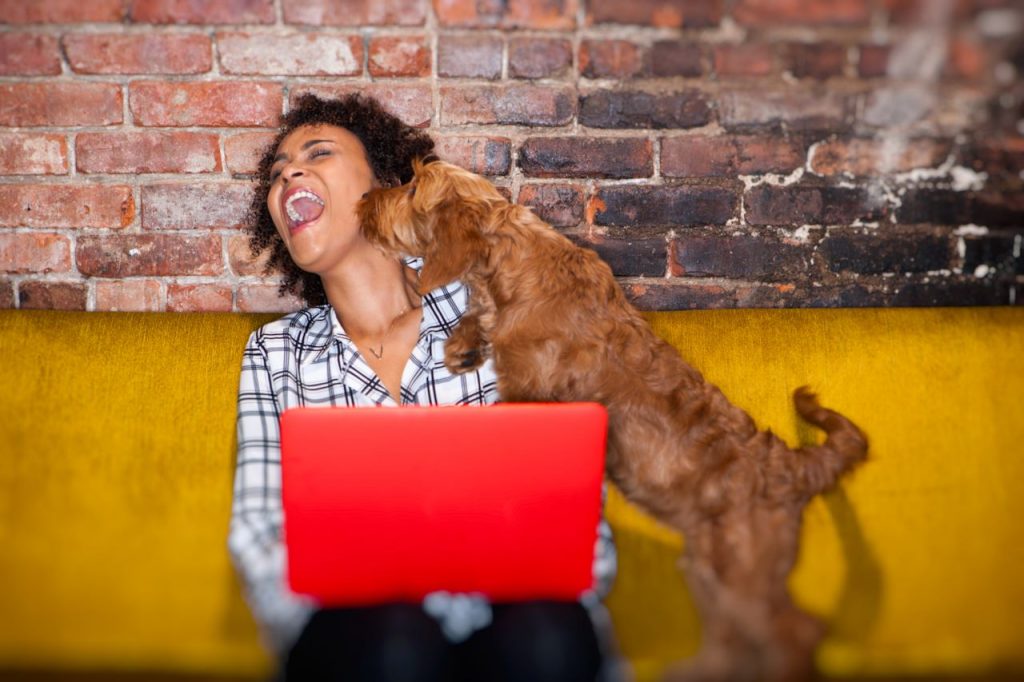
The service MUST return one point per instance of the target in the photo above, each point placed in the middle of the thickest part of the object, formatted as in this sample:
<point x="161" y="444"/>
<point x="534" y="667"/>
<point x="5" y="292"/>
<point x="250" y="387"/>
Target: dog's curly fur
<point x="560" y="329"/>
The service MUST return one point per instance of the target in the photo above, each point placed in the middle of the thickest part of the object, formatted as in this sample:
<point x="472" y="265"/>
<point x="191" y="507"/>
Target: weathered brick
<point x="240" y="256"/>
<point x="587" y="157"/>
<point x="875" y="254"/>
<point x="6" y="294"/>
<point x="536" y="14"/>
<point x="153" y="255"/>
<point x="60" y="11"/>
<point x="539" y="57"/>
<point x="771" y="205"/>
<point x="900" y="105"/>
<point x="244" y="151"/>
<point x="220" y="104"/>
<point x="399" y="56"/>
<point x="34" y="252"/>
<point x="208" y="12"/>
<point x="873" y="61"/>
<point x="610" y="59"/>
<point x="469" y="56"/>
<point x="676" y="58"/>
<point x="816" y="60"/>
<point x="948" y="207"/>
<point x="137" y="295"/>
<point x="184" y="298"/>
<point x="917" y="12"/>
<point x="28" y="54"/>
<point x="559" y="205"/>
<point x="60" y="104"/>
<point x="264" y="298"/>
<point x="120" y="53"/>
<point x="634" y="109"/>
<point x="993" y="253"/>
<point x="207" y="205"/>
<point x="867" y="157"/>
<point x="507" y="104"/>
<point x="663" y="206"/>
<point x="739" y="257"/>
<point x="785" y="12"/>
<point x="355" y="12"/>
<point x="147" y="152"/>
<point x="948" y="292"/>
<point x="629" y="257"/>
<point x="290" y="54"/>
<point x="33" y="154"/>
<point x="66" y="206"/>
<point x="804" y="109"/>
<point x="413" y="103"/>
<point x="483" y="155"/>
<point x="745" y="59"/>
<point x="661" y="13"/>
<point x="727" y="155"/>
<point x="996" y="155"/>
<point x="46" y="295"/>
<point x="967" y="59"/>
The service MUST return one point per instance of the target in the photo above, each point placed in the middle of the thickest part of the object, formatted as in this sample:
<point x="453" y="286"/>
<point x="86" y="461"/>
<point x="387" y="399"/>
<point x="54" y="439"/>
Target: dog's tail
<point x="845" y="445"/>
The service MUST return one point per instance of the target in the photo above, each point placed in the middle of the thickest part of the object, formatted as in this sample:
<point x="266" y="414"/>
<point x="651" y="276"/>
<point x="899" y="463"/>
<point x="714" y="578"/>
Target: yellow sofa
<point x="116" y="461"/>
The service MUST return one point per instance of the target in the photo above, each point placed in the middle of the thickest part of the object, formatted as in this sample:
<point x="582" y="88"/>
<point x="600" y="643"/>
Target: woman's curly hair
<point x="390" y="144"/>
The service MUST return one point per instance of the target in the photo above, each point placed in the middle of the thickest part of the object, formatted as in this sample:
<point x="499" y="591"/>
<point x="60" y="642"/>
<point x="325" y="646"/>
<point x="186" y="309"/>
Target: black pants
<point x="535" y="641"/>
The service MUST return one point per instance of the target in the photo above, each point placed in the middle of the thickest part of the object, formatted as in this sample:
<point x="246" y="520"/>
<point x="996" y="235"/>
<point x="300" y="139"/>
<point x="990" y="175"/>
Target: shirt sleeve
<point x="255" y="539"/>
<point x="605" y="558"/>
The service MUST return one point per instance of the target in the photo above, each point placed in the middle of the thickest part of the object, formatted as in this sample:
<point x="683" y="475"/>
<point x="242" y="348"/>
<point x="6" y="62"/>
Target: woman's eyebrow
<point x="307" y="145"/>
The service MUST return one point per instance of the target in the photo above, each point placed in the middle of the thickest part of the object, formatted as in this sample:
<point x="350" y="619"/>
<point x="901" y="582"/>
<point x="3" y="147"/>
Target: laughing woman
<point x="367" y="338"/>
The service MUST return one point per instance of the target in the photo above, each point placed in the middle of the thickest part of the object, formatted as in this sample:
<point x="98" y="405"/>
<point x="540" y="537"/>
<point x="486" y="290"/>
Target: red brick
<point x="119" y="53"/>
<point x="153" y="255"/>
<point x="203" y="11"/>
<point x="610" y="59"/>
<point x="355" y="12"/>
<point x="818" y="12"/>
<point x="60" y="104"/>
<point x="291" y="54"/>
<point x="392" y="56"/>
<point x="873" y="61"/>
<point x="33" y="154"/>
<point x="29" y="54"/>
<point x="587" y="157"/>
<point x="539" y="57"/>
<point x="209" y="205"/>
<point x="413" y="103"/>
<point x="816" y="60"/>
<point x="634" y="206"/>
<point x="629" y="256"/>
<point x="244" y="151"/>
<point x="675" y="58"/>
<point x="45" y="295"/>
<point x="661" y="13"/>
<point x="244" y="103"/>
<point x="926" y="11"/>
<point x="799" y="109"/>
<point x="483" y="155"/>
<point x="558" y="204"/>
<point x="6" y="294"/>
<point x="469" y="56"/>
<point x="535" y="14"/>
<point x="768" y="154"/>
<point x="800" y="205"/>
<point x="869" y="157"/>
<point x="967" y="59"/>
<point x="34" y="252"/>
<point x="698" y="156"/>
<point x="185" y="298"/>
<point x="508" y="104"/>
<point x="60" y="11"/>
<point x="263" y="298"/>
<point x="747" y="59"/>
<point x="66" y="206"/>
<point x="739" y="257"/>
<point x="137" y="295"/>
<point x="240" y="256"/>
<point x="147" y="152"/>
<point x="638" y="109"/>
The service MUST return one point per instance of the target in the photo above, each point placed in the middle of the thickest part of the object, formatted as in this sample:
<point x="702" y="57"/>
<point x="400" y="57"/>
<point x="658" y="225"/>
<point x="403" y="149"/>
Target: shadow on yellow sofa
<point x="116" y="461"/>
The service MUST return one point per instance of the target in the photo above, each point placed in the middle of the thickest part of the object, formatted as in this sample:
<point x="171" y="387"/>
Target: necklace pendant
<point x="377" y="354"/>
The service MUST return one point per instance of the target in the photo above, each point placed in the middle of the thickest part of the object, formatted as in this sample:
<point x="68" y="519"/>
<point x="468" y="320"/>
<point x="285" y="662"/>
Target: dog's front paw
<point x="458" y="361"/>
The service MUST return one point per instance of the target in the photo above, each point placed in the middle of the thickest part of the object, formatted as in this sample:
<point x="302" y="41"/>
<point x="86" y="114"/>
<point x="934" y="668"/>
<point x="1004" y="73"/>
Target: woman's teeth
<point x="293" y="213"/>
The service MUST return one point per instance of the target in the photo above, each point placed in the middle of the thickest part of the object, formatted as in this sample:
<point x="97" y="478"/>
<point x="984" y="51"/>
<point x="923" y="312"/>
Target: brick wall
<point x="717" y="153"/>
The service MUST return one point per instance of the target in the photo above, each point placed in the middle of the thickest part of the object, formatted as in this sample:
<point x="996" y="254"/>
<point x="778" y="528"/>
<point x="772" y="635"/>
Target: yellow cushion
<point x="117" y="447"/>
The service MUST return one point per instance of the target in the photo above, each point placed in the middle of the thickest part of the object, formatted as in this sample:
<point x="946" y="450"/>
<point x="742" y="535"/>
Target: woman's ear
<point x="457" y="245"/>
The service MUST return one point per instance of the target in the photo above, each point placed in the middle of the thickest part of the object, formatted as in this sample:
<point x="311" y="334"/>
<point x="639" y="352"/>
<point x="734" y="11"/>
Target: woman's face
<point x="318" y="176"/>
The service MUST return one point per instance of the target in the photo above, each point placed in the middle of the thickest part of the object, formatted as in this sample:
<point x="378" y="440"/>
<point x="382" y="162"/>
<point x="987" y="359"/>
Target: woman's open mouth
<point x="301" y="207"/>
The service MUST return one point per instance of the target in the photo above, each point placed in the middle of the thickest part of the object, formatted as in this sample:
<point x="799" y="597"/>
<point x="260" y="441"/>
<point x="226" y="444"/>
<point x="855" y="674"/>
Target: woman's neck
<point x="368" y="293"/>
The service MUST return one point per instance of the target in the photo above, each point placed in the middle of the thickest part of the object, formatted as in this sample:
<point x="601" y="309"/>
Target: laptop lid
<point x="390" y="504"/>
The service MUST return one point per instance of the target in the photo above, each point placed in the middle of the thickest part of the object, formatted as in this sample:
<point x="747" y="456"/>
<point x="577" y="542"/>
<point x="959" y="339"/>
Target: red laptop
<point x="390" y="504"/>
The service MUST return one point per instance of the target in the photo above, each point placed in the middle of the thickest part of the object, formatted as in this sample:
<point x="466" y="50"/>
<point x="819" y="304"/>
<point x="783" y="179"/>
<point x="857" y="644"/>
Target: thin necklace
<point x="379" y="353"/>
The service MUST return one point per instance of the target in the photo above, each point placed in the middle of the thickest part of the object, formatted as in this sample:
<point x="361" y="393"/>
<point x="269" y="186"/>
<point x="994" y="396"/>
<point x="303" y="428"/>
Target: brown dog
<point x="560" y="329"/>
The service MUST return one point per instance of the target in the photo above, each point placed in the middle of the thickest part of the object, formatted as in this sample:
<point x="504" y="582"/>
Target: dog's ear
<point x="457" y="245"/>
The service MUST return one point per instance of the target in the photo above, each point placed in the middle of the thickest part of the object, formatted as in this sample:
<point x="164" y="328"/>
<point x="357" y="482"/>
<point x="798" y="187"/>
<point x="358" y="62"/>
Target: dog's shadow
<point x="860" y="601"/>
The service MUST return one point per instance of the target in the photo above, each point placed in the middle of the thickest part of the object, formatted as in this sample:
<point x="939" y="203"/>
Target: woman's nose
<point x="291" y="172"/>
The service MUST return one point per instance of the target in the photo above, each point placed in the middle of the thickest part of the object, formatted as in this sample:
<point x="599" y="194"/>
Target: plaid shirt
<point x="306" y="359"/>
